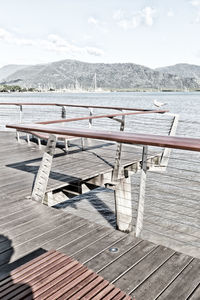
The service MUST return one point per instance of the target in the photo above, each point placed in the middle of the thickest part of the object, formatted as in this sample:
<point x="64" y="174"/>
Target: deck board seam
<point x="173" y="279"/>
<point x="136" y="263"/>
<point x="129" y="249"/>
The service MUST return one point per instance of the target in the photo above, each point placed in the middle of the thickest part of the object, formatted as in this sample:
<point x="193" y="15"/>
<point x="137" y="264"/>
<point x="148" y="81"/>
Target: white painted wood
<point x="141" y="200"/>
<point x="123" y="205"/>
<point x="48" y="199"/>
<point x="167" y="151"/>
<point x="82" y="143"/>
<point x="164" y="160"/>
<point x="28" y="138"/>
<point x="39" y="143"/>
<point x="18" y="136"/>
<point x="66" y="145"/>
<point x="40" y="185"/>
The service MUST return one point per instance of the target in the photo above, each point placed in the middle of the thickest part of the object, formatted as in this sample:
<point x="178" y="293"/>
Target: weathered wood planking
<point x="27" y="229"/>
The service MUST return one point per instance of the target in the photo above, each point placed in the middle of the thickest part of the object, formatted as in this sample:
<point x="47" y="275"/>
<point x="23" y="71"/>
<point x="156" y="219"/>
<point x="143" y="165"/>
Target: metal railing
<point x="63" y="113"/>
<point x="150" y="202"/>
<point x="122" y="185"/>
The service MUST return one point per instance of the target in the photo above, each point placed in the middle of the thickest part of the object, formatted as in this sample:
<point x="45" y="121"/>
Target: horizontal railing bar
<point x="191" y="144"/>
<point x="73" y="105"/>
<point x="100" y="116"/>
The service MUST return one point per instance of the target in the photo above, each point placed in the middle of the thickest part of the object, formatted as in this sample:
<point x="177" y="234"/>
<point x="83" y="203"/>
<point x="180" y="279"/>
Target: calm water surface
<point x="186" y="104"/>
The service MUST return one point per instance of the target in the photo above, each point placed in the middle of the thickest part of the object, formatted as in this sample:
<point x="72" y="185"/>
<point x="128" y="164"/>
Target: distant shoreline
<point x="35" y="91"/>
<point x="99" y="92"/>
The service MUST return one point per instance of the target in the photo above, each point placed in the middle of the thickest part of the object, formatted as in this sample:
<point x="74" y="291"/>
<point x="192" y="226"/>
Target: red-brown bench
<point x="54" y="275"/>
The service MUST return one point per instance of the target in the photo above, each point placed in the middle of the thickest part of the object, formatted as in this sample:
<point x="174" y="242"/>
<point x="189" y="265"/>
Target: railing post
<point x="91" y="114"/>
<point x="63" y="112"/>
<point x="167" y="151"/>
<point x="40" y="185"/>
<point x="117" y="166"/>
<point x="141" y="200"/>
<point x="123" y="201"/>
<point x="20" y="113"/>
<point x="123" y="204"/>
<point x="20" y="121"/>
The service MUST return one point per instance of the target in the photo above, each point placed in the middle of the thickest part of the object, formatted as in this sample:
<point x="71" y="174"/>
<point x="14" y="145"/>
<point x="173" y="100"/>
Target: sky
<point x="153" y="33"/>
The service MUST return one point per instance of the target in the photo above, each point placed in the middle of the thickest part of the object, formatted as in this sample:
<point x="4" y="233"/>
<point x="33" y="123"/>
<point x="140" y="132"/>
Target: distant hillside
<point x="71" y="74"/>
<point x="182" y="70"/>
<point x="10" y="69"/>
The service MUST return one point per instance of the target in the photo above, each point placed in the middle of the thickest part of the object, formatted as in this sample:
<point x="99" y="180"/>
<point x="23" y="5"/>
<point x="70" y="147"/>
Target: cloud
<point x="118" y="15"/>
<point x="143" y="17"/>
<point x="197" y="19"/>
<point x="53" y="42"/>
<point x="4" y="34"/>
<point x="11" y="39"/>
<point x="195" y="3"/>
<point x="92" y="20"/>
<point x="147" y="14"/>
<point x="58" y="44"/>
<point x="170" y="14"/>
<point x="94" y="51"/>
<point x="99" y="25"/>
<point x="86" y="37"/>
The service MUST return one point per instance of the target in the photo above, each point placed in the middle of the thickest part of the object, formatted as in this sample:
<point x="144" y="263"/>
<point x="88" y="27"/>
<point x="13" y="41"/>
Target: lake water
<point x="186" y="104"/>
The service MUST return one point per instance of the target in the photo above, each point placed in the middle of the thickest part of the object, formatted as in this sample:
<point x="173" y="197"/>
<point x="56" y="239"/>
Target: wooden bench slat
<point x="54" y="275"/>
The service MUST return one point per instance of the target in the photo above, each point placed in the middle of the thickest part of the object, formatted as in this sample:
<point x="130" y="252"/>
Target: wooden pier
<point x="28" y="228"/>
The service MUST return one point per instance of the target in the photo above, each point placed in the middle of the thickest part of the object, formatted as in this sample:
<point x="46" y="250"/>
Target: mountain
<point x="72" y="73"/>
<point x="182" y="70"/>
<point x="10" y="69"/>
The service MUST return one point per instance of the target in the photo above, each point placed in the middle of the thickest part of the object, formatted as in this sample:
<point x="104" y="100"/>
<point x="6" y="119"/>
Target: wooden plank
<point x="85" y="241"/>
<point x="49" y="216"/>
<point x="57" y="285"/>
<point x="65" y="239"/>
<point x="130" y="258"/>
<point x="107" y="257"/>
<point x="85" y="290"/>
<point x="61" y="223"/>
<point x="185" y="283"/>
<point x="161" y="278"/>
<point x="4" y="279"/>
<point x="39" y="241"/>
<point x="99" y="246"/>
<point x="150" y="264"/>
<point x="196" y="294"/>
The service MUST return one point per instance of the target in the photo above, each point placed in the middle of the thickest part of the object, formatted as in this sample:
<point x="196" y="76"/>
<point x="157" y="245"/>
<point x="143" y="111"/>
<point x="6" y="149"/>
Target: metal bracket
<point x="116" y="119"/>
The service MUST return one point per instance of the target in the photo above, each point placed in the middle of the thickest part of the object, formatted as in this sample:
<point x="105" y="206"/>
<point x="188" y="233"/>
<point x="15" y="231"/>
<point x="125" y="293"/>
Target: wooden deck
<point x="27" y="229"/>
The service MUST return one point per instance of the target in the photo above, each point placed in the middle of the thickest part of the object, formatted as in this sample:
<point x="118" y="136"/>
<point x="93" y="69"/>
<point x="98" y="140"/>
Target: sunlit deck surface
<point x="27" y="229"/>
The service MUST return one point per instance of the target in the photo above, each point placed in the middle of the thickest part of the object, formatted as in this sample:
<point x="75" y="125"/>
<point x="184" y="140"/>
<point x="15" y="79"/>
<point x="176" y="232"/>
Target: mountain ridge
<point x="7" y="70"/>
<point x="182" y="69"/>
<point x="68" y="74"/>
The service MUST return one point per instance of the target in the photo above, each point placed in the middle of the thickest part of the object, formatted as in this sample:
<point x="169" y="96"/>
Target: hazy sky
<point x="148" y="32"/>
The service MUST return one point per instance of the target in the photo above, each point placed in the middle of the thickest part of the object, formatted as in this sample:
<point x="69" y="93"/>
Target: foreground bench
<point x="56" y="276"/>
